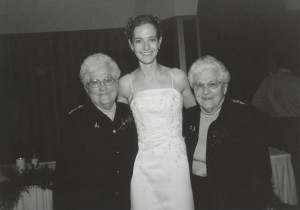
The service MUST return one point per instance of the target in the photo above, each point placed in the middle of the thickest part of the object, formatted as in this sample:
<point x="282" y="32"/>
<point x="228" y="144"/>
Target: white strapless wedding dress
<point x="160" y="178"/>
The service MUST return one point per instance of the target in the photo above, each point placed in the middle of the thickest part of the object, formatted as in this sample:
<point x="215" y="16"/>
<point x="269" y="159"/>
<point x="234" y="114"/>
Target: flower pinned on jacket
<point x="126" y="121"/>
<point x="218" y="135"/>
<point x="97" y="125"/>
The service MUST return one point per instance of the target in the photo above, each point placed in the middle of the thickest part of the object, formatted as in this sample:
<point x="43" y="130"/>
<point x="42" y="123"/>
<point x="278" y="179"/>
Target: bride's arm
<point x="180" y="79"/>
<point x="124" y="89"/>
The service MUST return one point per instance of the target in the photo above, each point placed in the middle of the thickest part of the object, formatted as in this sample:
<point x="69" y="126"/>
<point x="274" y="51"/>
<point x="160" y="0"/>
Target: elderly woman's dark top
<point x="237" y="158"/>
<point x="95" y="159"/>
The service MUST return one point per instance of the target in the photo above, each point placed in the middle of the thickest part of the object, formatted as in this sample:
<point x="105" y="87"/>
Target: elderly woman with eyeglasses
<point x="229" y="160"/>
<point x="98" y="144"/>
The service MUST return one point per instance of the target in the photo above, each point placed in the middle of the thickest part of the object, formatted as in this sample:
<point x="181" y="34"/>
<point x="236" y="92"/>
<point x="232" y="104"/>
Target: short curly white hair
<point x="95" y="63"/>
<point x="206" y="62"/>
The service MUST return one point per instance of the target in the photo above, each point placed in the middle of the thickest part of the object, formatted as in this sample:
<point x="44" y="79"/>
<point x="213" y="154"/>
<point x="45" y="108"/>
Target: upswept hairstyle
<point x="96" y="62"/>
<point x="134" y="22"/>
<point x="206" y="62"/>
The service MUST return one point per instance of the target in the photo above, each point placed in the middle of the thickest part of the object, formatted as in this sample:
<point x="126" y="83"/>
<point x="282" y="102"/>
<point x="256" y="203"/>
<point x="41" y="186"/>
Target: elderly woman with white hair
<point x="98" y="144"/>
<point x="229" y="161"/>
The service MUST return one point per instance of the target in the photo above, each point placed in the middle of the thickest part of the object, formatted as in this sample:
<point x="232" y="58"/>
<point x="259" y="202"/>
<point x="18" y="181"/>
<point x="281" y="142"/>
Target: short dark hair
<point x="134" y="22"/>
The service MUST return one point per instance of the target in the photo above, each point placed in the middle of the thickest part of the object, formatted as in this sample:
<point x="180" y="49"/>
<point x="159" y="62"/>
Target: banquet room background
<point x="39" y="80"/>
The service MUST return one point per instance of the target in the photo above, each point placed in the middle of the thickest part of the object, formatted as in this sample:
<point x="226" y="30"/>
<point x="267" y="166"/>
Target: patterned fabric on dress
<point x="161" y="173"/>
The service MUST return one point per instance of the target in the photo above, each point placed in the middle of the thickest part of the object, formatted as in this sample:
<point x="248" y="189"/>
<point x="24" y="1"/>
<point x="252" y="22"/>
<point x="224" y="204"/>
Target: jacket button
<point x="118" y="172"/>
<point x="114" y="131"/>
<point x="192" y="128"/>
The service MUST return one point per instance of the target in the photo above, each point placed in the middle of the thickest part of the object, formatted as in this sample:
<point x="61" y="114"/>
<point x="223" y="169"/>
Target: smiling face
<point x="145" y="43"/>
<point x="102" y="96"/>
<point x="209" y="99"/>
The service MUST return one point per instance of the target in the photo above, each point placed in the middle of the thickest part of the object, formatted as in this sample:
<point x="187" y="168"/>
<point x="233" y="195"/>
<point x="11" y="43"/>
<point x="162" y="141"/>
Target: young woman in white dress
<point x="156" y="95"/>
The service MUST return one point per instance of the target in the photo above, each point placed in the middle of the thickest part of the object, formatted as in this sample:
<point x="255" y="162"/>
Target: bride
<point x="156" y="95"/>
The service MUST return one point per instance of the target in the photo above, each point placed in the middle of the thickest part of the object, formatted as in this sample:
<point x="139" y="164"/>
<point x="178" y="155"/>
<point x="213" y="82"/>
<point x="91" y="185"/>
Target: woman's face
<point x="145" y="43"/>
<point x="209" y="91"/>
<point x="103" y="96"/>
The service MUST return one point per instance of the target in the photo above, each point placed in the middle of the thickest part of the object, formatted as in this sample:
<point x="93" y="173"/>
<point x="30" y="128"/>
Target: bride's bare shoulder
<point x="178" y="74"/>
<point x="127" y="79"/>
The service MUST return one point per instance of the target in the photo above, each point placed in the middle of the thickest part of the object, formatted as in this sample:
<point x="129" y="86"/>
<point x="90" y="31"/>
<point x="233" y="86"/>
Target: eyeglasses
<point x="210" y="86"/>
<point x="108" y="81"/>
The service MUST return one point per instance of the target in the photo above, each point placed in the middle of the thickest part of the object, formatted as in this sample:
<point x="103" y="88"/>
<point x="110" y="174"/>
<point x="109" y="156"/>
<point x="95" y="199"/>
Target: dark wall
<point x="244" y="35"/>
<point x="170" y="54"/>
<point x="39" y="84"/>
<point x="39" y="81"/>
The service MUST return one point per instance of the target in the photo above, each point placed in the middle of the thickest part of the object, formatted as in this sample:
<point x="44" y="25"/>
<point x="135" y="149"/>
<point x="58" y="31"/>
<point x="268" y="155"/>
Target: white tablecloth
<point x="283" y="176"/>
<point x="35" y="199"/>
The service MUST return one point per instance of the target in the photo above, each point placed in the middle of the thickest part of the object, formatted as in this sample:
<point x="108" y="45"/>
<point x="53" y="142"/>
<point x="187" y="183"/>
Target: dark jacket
<point x="95" y="160"/>
<point x="237" y="158"/>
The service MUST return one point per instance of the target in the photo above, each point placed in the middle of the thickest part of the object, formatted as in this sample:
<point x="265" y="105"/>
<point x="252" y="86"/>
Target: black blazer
<point x="237" y="158"/>
<point x="95" y="158"/>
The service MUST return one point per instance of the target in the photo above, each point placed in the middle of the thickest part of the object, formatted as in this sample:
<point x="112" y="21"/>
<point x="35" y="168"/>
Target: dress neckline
<point x="154" y="89"/>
